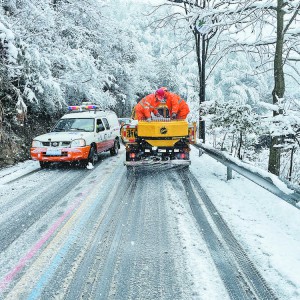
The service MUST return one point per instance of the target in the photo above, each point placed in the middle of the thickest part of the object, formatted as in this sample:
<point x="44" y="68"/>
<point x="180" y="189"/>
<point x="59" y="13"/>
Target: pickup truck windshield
<point x="74" y="125"/>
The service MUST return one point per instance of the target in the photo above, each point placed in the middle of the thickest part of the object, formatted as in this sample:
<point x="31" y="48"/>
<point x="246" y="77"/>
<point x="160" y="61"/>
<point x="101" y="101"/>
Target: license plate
<point x="53" y="152"/>
<point x="130" y="133"/>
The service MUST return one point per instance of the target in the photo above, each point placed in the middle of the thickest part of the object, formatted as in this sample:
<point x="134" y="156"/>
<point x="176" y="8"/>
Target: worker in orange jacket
<point x="178" y="108"/>
<point x="148" y="105"/>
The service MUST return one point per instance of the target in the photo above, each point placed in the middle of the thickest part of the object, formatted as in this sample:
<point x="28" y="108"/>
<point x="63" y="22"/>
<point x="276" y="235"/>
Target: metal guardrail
<point x="264" y="182"/>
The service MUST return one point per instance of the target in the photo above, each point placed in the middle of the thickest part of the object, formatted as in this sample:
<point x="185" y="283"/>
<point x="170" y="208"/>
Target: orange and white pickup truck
<point x="78" y="136"/>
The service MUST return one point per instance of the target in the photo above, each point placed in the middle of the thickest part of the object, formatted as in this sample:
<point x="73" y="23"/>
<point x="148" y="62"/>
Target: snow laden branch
<point x="247" y="24"/>
<point x="267" y="30"/>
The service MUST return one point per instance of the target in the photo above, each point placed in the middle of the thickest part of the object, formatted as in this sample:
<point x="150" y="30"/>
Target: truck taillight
<point x="191" y="134"/>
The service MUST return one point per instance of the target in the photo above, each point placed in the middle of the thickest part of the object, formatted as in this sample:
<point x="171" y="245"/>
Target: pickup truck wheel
<point x="92" y="158"/>
<point x="44" y="164"/>
<point x="115" y="149"/>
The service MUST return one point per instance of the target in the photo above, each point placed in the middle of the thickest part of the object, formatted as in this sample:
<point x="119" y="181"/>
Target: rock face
<point x="16" y="137"/>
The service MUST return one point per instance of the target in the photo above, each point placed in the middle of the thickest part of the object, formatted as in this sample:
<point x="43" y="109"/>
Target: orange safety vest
<point x="144" y="108"/>
<point x="176" y="105"/>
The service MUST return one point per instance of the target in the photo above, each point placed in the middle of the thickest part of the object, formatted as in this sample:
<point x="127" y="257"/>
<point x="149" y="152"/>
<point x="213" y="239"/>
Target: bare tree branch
<point x="292" y="19"/>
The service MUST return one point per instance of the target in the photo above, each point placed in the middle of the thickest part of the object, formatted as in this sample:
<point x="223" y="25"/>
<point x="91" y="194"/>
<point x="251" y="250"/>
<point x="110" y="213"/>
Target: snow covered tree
<point x="67" y="52"/>
<point x="267" y="30"/>
<point x="234" y="120"/>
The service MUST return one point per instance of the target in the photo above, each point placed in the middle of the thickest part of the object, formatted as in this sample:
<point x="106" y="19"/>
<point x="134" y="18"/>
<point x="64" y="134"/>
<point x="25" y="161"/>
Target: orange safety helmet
<point x="160" y="94"/>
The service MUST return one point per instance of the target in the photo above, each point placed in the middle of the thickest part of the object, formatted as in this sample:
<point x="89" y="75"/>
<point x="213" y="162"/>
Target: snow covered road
<point x="70" y="233"/>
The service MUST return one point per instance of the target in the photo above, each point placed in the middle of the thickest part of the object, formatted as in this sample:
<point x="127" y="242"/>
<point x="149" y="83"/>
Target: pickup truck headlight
<point x="78" y="143"/>
<point x="36" y="144"/>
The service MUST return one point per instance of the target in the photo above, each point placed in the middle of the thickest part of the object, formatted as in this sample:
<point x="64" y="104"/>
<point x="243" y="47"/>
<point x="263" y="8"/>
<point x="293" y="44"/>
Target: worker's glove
<point x="174" y="116"/>
<point x="158" y="115"/>
<point x="148" y="120"/>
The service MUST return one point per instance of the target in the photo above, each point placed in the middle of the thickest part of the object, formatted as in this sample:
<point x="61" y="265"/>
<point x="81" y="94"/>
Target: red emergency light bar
<point x="74" y="107"/>
<point x="81" y="107"/>
<point x="91" y="106"/>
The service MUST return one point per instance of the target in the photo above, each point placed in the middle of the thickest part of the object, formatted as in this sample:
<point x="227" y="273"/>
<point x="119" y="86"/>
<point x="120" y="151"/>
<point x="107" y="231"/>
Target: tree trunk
<point x="1" y="120"/>
<point x="291" y="165"/>
<point x="232" y="144"/>
<point x="279" y="88"/>
<point x="240" y="146"/>
<point x="223" y="141"/>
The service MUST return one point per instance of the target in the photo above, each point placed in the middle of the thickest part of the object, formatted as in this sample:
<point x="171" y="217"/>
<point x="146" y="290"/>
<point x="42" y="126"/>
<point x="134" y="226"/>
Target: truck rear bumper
<point x="174" y="162"/>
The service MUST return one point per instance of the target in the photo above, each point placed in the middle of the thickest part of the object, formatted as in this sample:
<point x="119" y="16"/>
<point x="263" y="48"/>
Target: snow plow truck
<point x="162" y="141"/>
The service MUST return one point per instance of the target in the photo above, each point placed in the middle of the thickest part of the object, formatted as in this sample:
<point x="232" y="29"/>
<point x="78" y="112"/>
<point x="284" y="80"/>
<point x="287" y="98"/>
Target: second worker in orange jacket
<point x="178" y="108"/>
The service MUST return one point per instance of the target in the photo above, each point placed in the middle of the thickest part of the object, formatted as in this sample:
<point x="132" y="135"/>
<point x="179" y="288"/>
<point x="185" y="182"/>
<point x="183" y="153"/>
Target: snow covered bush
<point x="234" y="126"/>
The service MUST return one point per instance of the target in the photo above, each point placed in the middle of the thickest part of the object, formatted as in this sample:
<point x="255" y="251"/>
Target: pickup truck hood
<point x="62" y="136"/>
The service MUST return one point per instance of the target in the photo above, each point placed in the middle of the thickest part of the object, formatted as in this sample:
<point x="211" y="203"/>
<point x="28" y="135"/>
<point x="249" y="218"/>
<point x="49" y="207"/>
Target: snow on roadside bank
<point x="10" y="173"/>
<point x="266" y="226"/>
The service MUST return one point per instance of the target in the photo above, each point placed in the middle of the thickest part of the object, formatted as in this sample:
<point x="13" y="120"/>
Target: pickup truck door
<point x="100" y="136"/>
<point x="103" y="134"/>
<point x="109" y="140"/>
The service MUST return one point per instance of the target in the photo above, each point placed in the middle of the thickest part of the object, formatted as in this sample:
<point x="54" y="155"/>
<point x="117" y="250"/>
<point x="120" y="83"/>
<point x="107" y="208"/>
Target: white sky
<point x="150" y="2"/>
<point x="266" y="227"/>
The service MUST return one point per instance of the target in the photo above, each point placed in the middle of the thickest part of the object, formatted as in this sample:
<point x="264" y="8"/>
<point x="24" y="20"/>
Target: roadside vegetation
<point x="240" y="73"/>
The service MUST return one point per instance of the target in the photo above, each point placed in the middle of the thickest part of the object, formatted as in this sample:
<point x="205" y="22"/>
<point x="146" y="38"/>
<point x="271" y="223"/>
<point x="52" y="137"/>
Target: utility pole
<point x="203" y="32"/>
<point x="202" y="39"/>
<point x="202" y="88"/>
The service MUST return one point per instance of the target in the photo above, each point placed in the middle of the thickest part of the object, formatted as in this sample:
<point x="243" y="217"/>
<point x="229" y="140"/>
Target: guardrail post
<point x="229" y="173"/>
